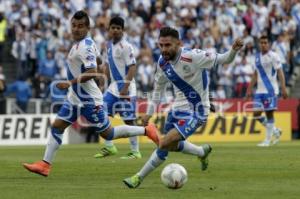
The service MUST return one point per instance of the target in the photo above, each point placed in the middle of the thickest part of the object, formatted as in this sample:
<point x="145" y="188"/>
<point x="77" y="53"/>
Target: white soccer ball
<point x="174" y="176"/>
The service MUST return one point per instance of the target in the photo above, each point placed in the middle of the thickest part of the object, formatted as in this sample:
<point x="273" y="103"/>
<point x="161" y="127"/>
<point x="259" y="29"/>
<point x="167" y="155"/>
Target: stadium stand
<point x="35" y="35"/>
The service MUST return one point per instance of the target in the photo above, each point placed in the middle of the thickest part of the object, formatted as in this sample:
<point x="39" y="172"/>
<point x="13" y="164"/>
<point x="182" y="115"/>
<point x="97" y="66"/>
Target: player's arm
<point x="282" y="83"/>
<point x="159" y="84"/>
<point x="102" y="75"/>
<point x="88" y="57"/>
<point x="251" y="85"/>
<point x="229" y="56"/>
<point x="130" y="75"/>
<point x="130" y="61"/>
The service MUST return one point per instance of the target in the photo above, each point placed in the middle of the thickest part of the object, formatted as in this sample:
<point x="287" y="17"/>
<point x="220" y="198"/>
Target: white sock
<point x="153" y="162"/>
<point x="108" y="143"/>
<point x="189" y="148"/>
<point x="270" y="128"/>
<point x="134" y="143"/>
<point x="51" y="148"/>
<point x="126" y="131"/>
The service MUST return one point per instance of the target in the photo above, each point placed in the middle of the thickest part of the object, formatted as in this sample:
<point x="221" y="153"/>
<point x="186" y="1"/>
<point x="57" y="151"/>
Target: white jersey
<point x="189" y="76"/>
<point x="266" y="67"/>
<point x="119" y="57"/>
<point x="82" y="57"/>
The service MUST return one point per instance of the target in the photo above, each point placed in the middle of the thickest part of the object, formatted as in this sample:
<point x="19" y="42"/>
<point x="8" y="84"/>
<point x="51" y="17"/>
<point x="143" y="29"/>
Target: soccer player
<point x="186" y="69"/>
<point x="121" y="94"/>
<point x="84" y="98"/>
<point x="267" y="67"/>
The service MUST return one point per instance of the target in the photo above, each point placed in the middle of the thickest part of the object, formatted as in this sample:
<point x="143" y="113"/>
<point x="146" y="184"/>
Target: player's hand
<point x="284" y="93"/>
<point x="237" y="44"/>
<point x="145" y="119"/>
<point x="124" y="94"/>
<point x="63" y="85"/>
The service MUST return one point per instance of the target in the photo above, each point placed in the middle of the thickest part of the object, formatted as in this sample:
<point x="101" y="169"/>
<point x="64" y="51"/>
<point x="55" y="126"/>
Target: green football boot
<point x="204" y="160"/>
<point x="106" y="151"/>
<point x="132" y="155"/>
<point x="133" y="181"/>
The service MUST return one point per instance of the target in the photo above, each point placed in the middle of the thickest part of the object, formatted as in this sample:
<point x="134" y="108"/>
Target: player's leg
<point x="66" y="116"/>
<point x="109" y="147"/>
<point x="171" y="142"/>
<point x="98" y="118"/>
<point x="134" y="144"/>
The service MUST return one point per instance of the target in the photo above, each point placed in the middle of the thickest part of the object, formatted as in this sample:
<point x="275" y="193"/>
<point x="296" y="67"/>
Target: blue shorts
<point x="95" y="115"/>
<point x="186" y="123"/>
<point x="114" y="105"/>
<point x="264" y="102"/>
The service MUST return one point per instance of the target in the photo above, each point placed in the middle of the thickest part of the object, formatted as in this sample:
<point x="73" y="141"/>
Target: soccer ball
<point x="174" y="176"/>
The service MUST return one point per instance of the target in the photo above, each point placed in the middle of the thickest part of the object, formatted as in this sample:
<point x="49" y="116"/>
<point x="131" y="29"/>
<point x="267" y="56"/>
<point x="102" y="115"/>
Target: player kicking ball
<point x="267" y="67"/>
<point x="186" y="69"/>
<point x="84" y="98"/>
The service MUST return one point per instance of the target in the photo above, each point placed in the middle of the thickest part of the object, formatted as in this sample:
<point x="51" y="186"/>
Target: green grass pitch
<point x="236" y="170"/>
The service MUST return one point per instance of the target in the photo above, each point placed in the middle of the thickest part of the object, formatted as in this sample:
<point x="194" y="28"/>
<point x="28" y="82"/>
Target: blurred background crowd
<point x="35" y="39"/>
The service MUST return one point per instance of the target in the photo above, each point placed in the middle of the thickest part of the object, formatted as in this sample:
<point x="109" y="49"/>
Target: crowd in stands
<point x="40" y="32"/>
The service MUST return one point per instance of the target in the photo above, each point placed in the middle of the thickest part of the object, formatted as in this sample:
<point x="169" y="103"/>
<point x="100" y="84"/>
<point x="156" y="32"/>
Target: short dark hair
<point x="264" y="37"/>
<point x="168" y="31"/>
<point x="80" y="15"/>
<point x="117" y="20"/>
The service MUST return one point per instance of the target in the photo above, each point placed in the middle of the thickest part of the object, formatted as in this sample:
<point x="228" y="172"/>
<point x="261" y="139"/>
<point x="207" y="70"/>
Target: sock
<point x="156" y="159"/>
<point x="262" y="120"/>
<point x="54" y="141"/>
<point x="270" y="128"/>
<point x="134" y="144"/>
<point x="125" y="131"/>
<point x="108" y="143"/>
<point x="189" y="148"/>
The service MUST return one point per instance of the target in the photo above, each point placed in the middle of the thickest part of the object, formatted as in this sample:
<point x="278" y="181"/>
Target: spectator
<point x="145" y="75"/>
<point x="225" y="79"/>
<point x="48" y="70"/>
<point x="242" y="75"/>
<point x="2" y="90"/>
<point x="22" y="90"/>
<point x="19" y="51"/>
<point x="3" y="25"/>
<point x="282" y="48"/>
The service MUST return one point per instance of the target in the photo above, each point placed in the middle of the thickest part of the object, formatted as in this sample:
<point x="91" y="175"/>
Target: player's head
<point x="116" y="28"/>
<point x="168" y="42"/>
<point x="264" y="44"/>
<point x="80" y="25"/>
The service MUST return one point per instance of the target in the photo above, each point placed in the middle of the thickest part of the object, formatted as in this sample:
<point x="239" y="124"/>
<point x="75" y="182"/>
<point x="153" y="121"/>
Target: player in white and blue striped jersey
<point x="84" y="98"/>
<point x="120" y="97"/>
<point x="186" y="69"/>
<point x="268" y="67"/>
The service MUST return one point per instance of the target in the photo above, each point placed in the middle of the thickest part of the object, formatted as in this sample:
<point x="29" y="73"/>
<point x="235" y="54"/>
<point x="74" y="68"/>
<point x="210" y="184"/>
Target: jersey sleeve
<point x="204" y="59"/>
<point x="129" y="56"/>
<point x="88" y="55"/>
<point x="277" y="64"/>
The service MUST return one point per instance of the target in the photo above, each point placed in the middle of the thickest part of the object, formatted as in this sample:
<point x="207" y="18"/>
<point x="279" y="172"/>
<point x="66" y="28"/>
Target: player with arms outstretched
<point x="120" y="96"/>
<point x="84" y="98"/>
<point x="186" y="69"/>
<point x="267" y="67"/>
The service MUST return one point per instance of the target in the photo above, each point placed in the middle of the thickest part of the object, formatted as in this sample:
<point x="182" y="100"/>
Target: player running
<point x="267" y="67"/>
<point x="84" y="98"/>
<point x="187" y="70"/>
<point x="120" y="97"/>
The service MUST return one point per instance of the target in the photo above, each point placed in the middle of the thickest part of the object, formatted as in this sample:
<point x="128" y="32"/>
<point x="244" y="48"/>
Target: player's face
<point x="168" y="47"/>
<point x="79" y="29"/>
<point x="264" y="45"/>
<point x="115" y="32"/>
